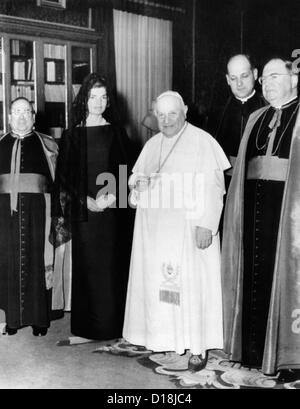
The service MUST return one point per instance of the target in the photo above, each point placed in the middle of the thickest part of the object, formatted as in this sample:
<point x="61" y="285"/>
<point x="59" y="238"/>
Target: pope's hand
<point x="92" y="205"/>
<point x="203" y="237"/>
<point x="142" y="183"/>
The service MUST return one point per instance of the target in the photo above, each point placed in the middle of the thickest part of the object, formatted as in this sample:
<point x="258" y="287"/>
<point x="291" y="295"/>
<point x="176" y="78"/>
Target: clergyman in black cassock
<point x="260" y="251"/>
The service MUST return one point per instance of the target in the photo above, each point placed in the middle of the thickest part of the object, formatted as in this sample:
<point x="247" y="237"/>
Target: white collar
<point x="287" y="102"/>
<point x="21" y="135"/>
<point x="243" y="100"/>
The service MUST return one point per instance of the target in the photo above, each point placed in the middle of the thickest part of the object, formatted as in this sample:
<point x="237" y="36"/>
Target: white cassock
<point x="174" y="299"/>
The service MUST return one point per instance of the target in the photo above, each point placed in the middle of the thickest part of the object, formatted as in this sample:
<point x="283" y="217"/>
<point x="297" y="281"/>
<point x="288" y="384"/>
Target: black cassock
<point x="230" y="130"/>
<point x="232" y="125"/>
<point x="233" y="122"/>
<point x="23" y="294"/>
<point x="262" y="204"/>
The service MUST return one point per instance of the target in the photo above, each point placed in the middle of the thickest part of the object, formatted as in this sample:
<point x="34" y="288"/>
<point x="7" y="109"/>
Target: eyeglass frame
<point x="25" y="112"/>
<point x="262" y="79"/>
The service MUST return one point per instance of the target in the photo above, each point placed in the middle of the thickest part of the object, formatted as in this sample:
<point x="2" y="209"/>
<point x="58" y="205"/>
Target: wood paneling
<point x="77" y="16"/>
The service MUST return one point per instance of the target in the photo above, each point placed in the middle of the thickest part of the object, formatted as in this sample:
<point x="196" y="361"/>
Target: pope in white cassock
<point x="174" y="299"/>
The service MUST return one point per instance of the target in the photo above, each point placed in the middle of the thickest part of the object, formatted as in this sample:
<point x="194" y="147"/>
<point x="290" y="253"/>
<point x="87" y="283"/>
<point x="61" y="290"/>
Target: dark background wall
<point x="75" y="13"/>
<point x="205" y="34"/>
<point x="261" y="28"/>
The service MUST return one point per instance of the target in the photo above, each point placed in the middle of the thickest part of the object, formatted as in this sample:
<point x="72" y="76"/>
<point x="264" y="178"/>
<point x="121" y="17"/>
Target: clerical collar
<point x="18" y="136"/>
<point x="287" y="104"/>
<point x="243" y="100"/>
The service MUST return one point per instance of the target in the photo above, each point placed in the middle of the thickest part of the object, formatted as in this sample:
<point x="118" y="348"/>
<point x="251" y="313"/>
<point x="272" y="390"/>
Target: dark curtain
<point x="182" y="57"/>
<point x="106" y="62"/>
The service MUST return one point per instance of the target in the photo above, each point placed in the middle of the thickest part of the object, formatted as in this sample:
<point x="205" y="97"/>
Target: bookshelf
<point x="22" y="71"/>
<point x="45" y="64"/>
<point x="55" y="89"/>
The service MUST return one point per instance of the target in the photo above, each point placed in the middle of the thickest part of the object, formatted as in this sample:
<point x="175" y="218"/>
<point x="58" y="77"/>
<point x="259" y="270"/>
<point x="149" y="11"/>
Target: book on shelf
<point x="50" y="71"/>
<point x="30" y="70"/>
<point x="23" y="70"/>
<point x="15" y="47"/>
<point x="55" y="71"/>
<point x="19" y="70"/>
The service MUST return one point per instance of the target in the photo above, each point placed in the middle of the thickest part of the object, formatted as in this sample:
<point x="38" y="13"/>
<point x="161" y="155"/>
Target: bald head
<point x="170" y="112"/>
<point x="241" y="76"/>
<point x="22" y="117"/>
<point x="239" y="59"/>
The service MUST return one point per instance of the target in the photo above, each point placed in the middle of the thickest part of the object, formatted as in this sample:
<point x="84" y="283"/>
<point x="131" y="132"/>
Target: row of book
<point x="54" y="51"/>
<point x="53" y="92"/>
<point x="26" y="91"/>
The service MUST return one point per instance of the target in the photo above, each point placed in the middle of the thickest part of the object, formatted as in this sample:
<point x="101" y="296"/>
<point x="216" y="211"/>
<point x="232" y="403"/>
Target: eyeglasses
<point x="25" y="112"/>
<point x="272" y="77"/>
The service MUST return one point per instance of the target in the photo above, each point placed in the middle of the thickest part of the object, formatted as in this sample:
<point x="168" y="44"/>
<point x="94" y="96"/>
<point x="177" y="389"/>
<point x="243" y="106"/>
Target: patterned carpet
<point x="218" y="374"/>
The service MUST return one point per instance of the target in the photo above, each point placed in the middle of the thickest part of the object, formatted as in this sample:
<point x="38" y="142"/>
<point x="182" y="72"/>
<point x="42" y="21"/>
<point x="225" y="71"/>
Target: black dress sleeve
<point x="70" y="185"/>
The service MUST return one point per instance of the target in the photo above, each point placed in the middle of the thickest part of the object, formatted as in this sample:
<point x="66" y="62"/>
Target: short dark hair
<point x="247" y="56"/>
<point x="79" y="105"/>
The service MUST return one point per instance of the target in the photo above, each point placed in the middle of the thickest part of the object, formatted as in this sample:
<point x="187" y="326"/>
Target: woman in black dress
<point x="88" y="174"/>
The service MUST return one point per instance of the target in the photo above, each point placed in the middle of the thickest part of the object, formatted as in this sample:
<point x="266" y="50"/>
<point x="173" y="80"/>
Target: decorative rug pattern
<point x="218" y="374"/>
